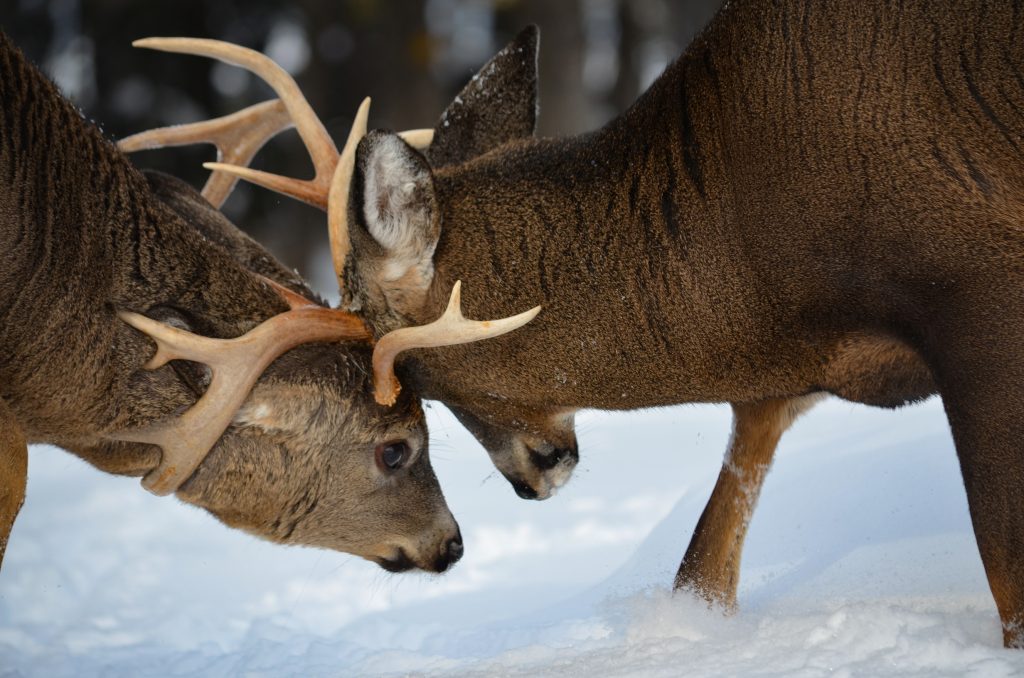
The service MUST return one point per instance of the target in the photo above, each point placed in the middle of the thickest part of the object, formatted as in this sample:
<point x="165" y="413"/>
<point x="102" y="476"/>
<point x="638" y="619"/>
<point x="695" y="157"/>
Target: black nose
<point x="451" y="552"/>
<point x="523" y="490"/>
<point x="455" y="549"/>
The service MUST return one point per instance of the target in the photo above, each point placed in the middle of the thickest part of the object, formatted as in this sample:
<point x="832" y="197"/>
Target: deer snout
<point x="451" y="552"/>
<point x="436" y="556"/>
<point x="542" y="469"/>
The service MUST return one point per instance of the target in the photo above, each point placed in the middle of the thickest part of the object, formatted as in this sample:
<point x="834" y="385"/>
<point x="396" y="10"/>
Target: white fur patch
<point x="254" y="414"/>
<point x="560" y="474"/>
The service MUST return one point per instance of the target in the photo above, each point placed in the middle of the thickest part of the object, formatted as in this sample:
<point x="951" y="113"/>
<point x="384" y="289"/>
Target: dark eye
<point x="392" y="456"/>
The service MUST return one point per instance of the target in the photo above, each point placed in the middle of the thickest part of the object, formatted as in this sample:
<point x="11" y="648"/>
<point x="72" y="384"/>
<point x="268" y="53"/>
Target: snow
<point x="860" y="562"/>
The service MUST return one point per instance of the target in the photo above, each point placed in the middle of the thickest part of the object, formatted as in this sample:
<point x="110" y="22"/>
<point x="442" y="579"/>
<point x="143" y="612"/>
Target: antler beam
<point x="450" y="329"/>
<point x="236" y="365"/>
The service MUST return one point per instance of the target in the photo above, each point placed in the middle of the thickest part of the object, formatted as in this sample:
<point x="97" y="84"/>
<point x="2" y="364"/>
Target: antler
<point x="331" y="194"/>
<point x="236" y="365"/>
<point x="238" y="137"/>
<point x="450" y="329"/>
<point x="318" y="143"/>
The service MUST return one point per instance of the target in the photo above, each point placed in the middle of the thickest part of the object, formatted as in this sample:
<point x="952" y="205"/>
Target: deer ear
<point x="393" y="198"/>
<point x="497" y="106"/>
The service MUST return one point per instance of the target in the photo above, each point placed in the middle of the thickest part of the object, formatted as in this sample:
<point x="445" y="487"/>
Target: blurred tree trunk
<point x="655" y="32"/>
<point x="627" y="87"/>
<point x="389" y="61"/>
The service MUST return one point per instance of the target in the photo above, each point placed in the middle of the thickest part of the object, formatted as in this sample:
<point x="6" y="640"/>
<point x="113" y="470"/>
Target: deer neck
<point x="81" y="237"/>
<point x="615" y="233"/>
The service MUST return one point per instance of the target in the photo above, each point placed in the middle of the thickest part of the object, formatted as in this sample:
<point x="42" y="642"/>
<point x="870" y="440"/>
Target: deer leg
<point x="711" y="566"/>
<point x="13" y="473"/>
<point x="984" y="400"/>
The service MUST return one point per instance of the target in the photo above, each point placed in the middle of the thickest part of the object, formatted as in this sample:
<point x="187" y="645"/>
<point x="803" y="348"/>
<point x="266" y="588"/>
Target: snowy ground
<point x="860" y="562"/>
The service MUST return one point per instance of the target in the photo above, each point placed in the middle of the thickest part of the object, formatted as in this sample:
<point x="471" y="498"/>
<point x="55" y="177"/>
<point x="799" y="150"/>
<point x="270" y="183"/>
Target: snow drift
<point x="860" y="561"/>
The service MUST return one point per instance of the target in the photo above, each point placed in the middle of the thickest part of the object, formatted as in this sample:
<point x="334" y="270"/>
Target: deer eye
<point x="392" y="456"/>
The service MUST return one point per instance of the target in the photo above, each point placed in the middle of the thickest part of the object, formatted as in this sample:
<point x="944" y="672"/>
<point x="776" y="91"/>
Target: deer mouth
<point x="540" y="489"/>
<point x="400" y="562"/>
<point x="450" y="554"/>
<point x="523" y="490"/>
<point x="565" y="456"/>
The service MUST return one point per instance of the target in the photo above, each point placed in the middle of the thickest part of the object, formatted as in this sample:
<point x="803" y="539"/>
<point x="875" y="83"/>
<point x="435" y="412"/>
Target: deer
<point x="144" y="333"/>
<point x="811" y="200"/>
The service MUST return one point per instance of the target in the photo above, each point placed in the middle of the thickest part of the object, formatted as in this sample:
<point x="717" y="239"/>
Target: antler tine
<point x="311" y="192"/>
<point x="238" y="147"/>
<point x="337" y="210"/>
<point x="450" y="329"/>
<point x="420" y="139"/>
<point x="236" y="365"/>
<point x="321" y="148"/>
<point x="238" y="137"/>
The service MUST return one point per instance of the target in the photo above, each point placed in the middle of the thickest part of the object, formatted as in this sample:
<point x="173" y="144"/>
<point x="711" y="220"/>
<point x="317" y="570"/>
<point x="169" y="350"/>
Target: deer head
<point x="308" y="457"/>
<point x="408" y="212"/>
<point x="305" y="456"/>
<point x="304" y="415"/>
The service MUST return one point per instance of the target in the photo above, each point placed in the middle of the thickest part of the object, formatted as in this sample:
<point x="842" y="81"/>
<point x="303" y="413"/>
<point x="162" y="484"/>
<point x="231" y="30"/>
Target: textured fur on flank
<point x="84" y="235"/>
<point x="815" y="197"/>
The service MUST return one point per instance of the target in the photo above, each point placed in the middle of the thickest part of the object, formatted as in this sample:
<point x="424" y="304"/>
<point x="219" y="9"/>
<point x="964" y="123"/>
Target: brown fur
<point x="814" y="197"/>
<point x="84" y="235"/>
<point x="13" y="473"/>
<point x="711" y="566"/>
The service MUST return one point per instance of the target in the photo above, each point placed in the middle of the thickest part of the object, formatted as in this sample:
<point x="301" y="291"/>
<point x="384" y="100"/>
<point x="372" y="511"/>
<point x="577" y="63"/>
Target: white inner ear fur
<point x="397" y="207"/>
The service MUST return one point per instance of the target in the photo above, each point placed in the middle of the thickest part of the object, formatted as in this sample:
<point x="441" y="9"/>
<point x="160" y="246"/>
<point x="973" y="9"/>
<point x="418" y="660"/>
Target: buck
<point x="813" y="199"/>
<point x="275" y="431"/>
